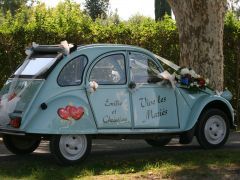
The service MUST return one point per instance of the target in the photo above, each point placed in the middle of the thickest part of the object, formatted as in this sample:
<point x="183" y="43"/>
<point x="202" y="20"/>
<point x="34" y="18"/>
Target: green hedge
<point x="67" y="22"/>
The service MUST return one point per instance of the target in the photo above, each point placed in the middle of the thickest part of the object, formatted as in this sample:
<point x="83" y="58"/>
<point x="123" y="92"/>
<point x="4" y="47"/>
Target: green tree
<point x="96" y="8"/>
<point x="11" y="5"/>
<point x="161" y="8"/>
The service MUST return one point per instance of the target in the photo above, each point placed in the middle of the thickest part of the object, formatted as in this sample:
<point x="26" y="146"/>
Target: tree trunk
<point x="200" y="25"/>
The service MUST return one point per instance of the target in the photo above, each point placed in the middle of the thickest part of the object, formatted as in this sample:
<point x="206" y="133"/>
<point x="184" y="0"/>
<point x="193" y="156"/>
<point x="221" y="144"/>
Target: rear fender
<point x="46" y="119"/>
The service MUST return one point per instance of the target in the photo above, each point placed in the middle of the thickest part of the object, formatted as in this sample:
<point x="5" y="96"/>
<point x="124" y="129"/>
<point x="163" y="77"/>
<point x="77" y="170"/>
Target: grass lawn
<point x="162" y="164"/>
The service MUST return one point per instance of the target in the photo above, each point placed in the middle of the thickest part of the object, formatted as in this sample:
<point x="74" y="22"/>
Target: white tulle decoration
<point x="167" y="76"/>
<point x="6" y="107"/>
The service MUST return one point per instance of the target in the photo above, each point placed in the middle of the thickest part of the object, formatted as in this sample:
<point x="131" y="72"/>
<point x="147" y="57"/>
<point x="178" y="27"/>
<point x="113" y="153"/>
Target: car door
<point x="154" y="103"/>
<point x="110" y="102"/>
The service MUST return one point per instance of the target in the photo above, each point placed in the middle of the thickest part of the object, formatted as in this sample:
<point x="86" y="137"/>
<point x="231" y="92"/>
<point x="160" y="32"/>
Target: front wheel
<point x="213" y="129"/>
<point x="21" y="145"/>
<point x="70" y="149"/>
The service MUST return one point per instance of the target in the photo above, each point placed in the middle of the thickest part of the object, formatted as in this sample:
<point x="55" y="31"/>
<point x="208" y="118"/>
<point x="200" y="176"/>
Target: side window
<point x="72" y="72"/>
<point x="110" y="70"/>
<point x="144" y="69"/>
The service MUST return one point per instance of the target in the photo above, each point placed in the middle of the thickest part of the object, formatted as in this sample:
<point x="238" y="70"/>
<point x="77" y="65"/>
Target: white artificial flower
<point x="35" y="45"/>
<point x="66" y="47"/>
<point x="184" y="71"/>
<point x="93" y="86"/>
<point x="28" y="52"/>
<point x="193" y="73"/>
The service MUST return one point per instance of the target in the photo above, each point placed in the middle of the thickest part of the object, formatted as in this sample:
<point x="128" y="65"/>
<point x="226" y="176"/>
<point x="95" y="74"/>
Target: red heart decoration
<point x="67" y="108"/>
<point x="76" y="112"/>
<point x="63" y="113"/>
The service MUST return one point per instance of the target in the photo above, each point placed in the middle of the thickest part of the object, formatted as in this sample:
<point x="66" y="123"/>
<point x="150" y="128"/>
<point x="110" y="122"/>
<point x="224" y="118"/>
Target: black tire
<point x="21" y="145"/>
<point x="65" y="152"/>
<point x="159" y="142"/>
<point x="213" y="129"/>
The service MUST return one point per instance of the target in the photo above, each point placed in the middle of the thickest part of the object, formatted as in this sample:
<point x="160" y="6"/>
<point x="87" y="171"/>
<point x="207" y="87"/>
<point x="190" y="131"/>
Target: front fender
<point x="202" y="103"/>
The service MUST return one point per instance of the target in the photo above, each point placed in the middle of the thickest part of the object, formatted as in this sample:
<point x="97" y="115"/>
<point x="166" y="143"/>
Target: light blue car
<point x="69" y="95"/>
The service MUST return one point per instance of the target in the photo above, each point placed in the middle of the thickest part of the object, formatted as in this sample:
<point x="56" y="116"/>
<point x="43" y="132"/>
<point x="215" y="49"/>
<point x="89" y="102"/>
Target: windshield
<point x="36" y="65"/>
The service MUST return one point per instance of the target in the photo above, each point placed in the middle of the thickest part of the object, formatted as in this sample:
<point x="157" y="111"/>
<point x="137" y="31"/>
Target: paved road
<point x="128" y="147"/>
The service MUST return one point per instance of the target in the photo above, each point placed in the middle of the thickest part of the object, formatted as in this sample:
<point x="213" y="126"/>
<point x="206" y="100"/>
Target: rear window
<point x="36" y="65"/>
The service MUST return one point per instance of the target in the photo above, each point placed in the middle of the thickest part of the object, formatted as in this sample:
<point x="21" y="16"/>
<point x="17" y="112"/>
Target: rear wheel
<point x="70" y="149"/>
<point x="21" y="144"/>
<point x="159" y="142"/>
<point x="213" y="129"/>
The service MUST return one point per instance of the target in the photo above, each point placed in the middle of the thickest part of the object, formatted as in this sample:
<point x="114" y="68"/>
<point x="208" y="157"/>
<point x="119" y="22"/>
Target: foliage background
<point x="67" y="22"/>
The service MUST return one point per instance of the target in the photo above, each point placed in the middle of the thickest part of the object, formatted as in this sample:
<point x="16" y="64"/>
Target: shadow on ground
<point x="130" y="157"/>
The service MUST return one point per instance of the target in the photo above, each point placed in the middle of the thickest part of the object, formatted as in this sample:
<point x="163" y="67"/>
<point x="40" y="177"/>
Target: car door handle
<point x="132" y="85"/>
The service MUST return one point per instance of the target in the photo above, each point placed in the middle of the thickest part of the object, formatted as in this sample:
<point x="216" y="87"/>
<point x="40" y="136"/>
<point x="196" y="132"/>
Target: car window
<point x="72" y="72"/>
<point x="36" y="65"/>
<point x="144" y="69"/>
<point x="109" y="70"/>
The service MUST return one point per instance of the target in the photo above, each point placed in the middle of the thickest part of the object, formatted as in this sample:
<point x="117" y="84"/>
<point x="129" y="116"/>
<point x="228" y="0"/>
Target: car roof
<point x="113" y="47"/>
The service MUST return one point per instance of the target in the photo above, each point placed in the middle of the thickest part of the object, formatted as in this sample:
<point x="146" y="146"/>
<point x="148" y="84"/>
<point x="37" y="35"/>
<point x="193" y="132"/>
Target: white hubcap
<point x="73" y="147"/>
<point x="215" y="129"/>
